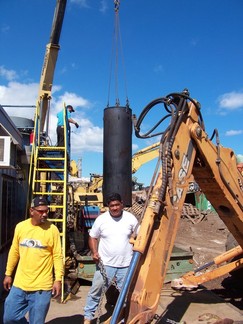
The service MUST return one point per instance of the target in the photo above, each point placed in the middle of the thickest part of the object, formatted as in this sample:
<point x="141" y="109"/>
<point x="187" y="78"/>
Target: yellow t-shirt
<point x="37" y="250"/>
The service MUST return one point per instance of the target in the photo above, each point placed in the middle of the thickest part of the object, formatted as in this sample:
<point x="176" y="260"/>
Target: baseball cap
<point x="39" y="201"/>
<point x="70" y="107"/>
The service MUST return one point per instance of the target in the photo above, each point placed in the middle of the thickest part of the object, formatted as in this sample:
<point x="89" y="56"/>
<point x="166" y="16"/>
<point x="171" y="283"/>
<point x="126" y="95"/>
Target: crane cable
<point x="116" y="50"/>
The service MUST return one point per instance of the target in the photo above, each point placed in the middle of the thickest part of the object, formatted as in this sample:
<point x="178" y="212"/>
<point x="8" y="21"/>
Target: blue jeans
<point x="19" y="302"/>
<point x="95" y="292"/>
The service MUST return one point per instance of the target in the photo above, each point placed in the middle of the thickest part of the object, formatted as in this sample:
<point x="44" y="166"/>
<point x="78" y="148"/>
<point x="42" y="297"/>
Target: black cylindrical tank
<point x="117" y="153"/>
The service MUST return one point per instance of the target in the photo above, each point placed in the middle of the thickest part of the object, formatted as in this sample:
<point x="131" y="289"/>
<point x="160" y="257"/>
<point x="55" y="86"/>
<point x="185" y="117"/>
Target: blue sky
<point x="166" y="46"/>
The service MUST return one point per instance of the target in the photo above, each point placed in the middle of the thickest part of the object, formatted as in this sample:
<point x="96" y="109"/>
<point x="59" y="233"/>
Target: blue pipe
<point x="127" y="282"/>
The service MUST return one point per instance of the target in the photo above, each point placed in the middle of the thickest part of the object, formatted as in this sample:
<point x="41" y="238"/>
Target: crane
<point x="49" y="64"/>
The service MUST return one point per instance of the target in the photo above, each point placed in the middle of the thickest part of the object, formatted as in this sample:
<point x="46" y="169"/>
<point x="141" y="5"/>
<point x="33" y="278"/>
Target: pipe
<point x="127" y="282"/>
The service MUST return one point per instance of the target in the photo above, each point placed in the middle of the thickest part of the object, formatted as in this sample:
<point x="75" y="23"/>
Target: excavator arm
<point x="186" y="151"/>
<point x="145" y="155"/>
<point x="193" y="279"/>
<point x="218" y="177"/>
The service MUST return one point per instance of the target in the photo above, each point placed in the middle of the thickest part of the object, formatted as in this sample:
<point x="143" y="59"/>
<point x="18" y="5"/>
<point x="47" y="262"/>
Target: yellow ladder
<point x="49" y="177"/>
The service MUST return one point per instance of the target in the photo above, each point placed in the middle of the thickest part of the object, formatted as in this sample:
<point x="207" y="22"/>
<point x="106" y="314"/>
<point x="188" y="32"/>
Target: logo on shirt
<point x="30" y="243"/>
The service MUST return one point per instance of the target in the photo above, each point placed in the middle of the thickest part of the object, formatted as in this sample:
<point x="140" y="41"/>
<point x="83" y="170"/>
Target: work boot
<point x="87" y="321"/>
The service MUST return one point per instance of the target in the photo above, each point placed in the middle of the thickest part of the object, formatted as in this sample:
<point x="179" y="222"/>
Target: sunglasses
<point x="46" y="211"/>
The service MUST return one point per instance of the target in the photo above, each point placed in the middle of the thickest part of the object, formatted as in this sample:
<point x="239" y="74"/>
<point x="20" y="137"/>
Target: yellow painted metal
<point x="49" y="169"/>
<point x="41" y="179"/>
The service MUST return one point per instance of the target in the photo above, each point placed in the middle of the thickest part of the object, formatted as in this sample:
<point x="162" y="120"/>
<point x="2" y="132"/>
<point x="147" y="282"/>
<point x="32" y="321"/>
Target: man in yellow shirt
<point x="35" y="250"/>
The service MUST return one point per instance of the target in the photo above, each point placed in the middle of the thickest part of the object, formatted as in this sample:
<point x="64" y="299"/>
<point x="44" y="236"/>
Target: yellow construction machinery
<point x="91" y="192"/>
<point x="49" y="164"/>
<point x="186" y="150"/>
<point x="145" y="155"/>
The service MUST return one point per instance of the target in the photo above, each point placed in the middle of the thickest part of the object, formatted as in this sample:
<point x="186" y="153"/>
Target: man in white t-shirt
<point x="112" y="230"/>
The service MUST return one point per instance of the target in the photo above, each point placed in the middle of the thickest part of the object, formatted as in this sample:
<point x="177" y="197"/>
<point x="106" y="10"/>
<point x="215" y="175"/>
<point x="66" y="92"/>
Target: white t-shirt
<point x="114" y="234"/>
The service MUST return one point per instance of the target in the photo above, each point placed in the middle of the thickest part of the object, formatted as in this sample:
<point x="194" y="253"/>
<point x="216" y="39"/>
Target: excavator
<point x="186" y="151"/>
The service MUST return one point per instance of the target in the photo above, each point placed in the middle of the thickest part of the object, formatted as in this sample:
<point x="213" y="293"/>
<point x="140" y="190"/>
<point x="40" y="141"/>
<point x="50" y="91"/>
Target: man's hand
<point x="7" y="283"/>
<point x="56" y="289"/>
<point x="96" y="257"/>
<point x="77" y="125"/>
<point x="93" y="245"/>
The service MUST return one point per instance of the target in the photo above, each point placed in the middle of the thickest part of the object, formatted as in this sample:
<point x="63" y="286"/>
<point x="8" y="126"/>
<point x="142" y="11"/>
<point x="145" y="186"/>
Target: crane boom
<point x="48" y="68"/>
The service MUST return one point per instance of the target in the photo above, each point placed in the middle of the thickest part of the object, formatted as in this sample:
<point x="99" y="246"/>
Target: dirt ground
<point x="206" y="239"/>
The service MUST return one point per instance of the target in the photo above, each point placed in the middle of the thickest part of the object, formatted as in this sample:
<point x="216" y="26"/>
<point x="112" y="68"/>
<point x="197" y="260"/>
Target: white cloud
<point x="18" y="94"/>
<point x="234" y="132"/>
<point x="103" y="6"/>
<point x="70" y="98"/>
<point x="134" y="147"/>
<point x="63" y="70"/>
<point x="231" y="101"/>
<point x="87" y="137"/>
<point x="9" y="75"/>
<point x="81" y="3"/>
<point x="239" y="158"/>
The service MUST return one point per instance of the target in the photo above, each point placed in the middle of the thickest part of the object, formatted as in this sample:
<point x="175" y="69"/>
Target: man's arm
<point x="7" y="282"/>
<point x="56" y="289"/>
<point x="73" y="122"/>
<point x="13" y="258"/>
<point x="93" y="245"/>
